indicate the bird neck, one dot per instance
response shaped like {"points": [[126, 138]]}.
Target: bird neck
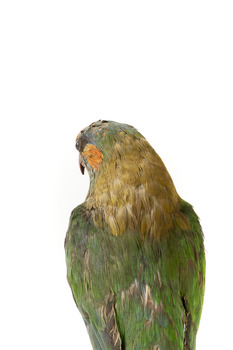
{"points": [[133, 191]]}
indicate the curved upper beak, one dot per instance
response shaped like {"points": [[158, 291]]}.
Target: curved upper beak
{"points": [[81, 164]]}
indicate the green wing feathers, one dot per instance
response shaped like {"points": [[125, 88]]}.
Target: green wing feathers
{"points": [[135, 293]]}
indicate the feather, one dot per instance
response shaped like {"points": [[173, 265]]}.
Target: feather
{"points": [[134, 249]]}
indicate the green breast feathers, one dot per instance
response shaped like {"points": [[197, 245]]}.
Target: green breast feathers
{"points": [[134, 249]]}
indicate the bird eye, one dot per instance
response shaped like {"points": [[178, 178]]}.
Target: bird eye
{"points": [[76, 145]]}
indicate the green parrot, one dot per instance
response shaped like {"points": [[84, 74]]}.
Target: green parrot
{"points": [[134, 249]]}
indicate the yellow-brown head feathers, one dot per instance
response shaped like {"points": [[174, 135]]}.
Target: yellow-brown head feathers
{"points": [[132, 189]]}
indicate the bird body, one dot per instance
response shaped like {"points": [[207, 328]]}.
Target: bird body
{"points": [[134, 249]]}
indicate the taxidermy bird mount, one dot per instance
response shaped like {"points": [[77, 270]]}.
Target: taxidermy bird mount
{"points": [[134, 249]]}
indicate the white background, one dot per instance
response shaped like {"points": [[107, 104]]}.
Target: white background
{"points": [[164, 67]]}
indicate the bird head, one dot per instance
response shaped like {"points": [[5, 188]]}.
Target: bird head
{"points": [[130, 186], [96, 143]]}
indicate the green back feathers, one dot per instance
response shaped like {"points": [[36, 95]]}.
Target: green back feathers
{"points": [[157, 286]]}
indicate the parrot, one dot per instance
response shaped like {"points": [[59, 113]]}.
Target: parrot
{"points": [[134, 248]]}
